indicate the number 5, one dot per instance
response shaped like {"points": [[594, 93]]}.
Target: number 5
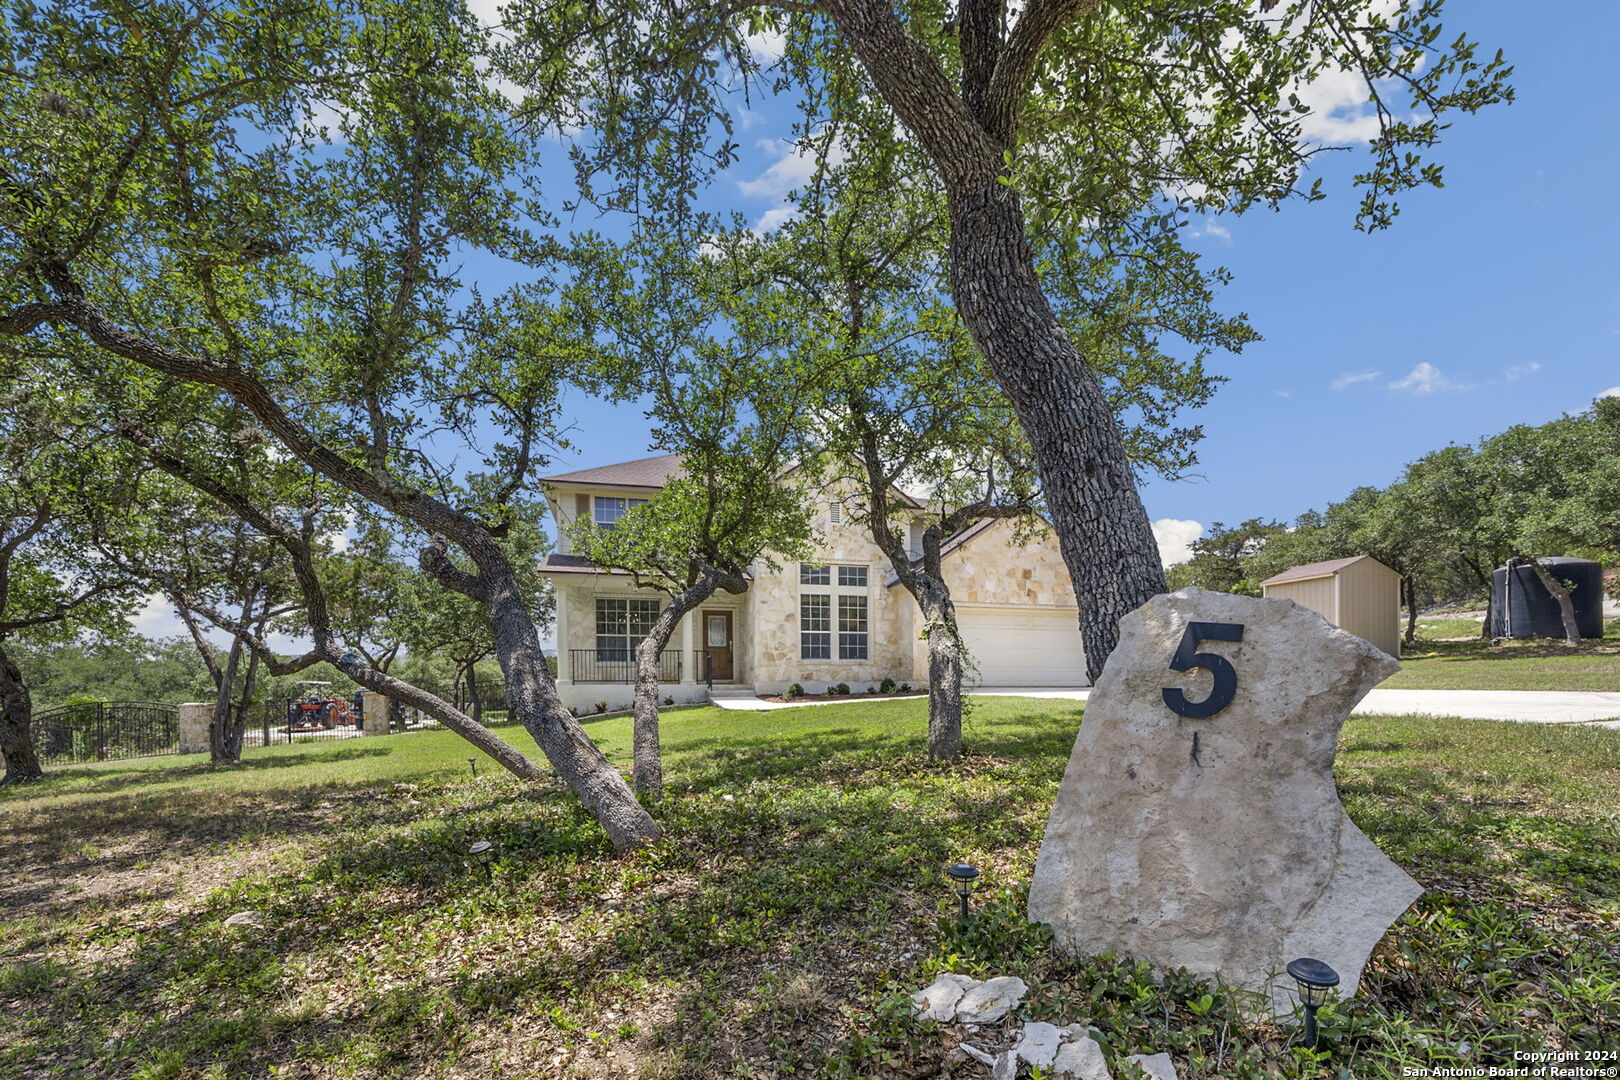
{"points": [[1187, 658]]}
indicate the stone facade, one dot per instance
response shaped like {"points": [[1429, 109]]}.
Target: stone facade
{"points": [[195, 716], [991, 568], [374, 710]]}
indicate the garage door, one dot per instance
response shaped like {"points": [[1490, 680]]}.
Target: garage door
{"points": [[1020, 647]]}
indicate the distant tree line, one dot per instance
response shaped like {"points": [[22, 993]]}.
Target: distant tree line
{"points": [[1454, 515]]}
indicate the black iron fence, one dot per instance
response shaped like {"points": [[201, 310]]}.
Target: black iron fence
{"points": [[106, 731], [619, 665]]}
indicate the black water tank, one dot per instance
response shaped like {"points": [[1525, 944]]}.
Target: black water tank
{"points": [[1521, 607]]}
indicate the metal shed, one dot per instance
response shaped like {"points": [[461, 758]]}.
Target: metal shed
{"points": [[1358, 594]]}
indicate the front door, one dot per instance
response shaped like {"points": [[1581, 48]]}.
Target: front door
{"points": [[717, 646]]}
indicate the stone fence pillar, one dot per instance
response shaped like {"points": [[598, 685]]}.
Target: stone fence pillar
{"points": [[195, 716], [374, 708]]}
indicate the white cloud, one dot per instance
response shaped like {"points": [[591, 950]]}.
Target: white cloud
{"points": [[1613, 391], [1348, 380], [1520, 371], [1424, 379], [1175, 537], [1283, 393], [768, 46], [793, 166], [1220, 232], [157, 619], [775, 218]]}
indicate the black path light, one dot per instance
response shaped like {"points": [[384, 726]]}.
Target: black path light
{"points": [[483, 852], [472, 763], [1315, 979], [962, 876]]}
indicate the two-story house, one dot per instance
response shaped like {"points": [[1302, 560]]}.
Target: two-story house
{"points": [[840, 617]]}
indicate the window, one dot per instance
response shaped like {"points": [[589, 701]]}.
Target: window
{"points": [[852, 627], [621, 625], [815, 626], [816, 609], [610, 508]]}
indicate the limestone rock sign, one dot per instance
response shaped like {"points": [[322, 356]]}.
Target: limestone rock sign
{"points": [[1197, 825]]}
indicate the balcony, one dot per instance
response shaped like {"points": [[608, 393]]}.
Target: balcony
{"points": [[618, 665]]}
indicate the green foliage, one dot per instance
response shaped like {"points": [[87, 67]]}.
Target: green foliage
{"points": [[803, 902]]}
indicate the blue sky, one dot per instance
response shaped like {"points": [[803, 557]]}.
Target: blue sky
{"points": [[1493, 301]]}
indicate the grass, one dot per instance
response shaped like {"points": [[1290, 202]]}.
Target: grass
{"points": [[1472, 663], [794, 901]]}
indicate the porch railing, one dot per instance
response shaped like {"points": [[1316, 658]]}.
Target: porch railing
{"points": [[619, 665]]}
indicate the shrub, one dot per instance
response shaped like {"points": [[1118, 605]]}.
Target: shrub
{"points": [[794, 691], [669, 699], [601, 706], [841, 688], [871, 689], [888, 686], [905, 688]]}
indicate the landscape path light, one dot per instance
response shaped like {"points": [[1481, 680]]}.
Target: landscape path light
{"points": [[962, 876], [472, 763], [483, 852], [1315, 979]]}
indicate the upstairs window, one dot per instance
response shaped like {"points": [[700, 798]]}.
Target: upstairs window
{"points": [[852, 577], [608, 509], [814, 575]]}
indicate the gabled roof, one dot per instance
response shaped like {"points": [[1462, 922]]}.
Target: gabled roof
{"points": [[652, 472], [949, 545], [1316, 570]]}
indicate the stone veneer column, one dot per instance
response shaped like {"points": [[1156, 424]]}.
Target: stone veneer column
{"points": [[375, 712], [194, 720], [689, 664]]}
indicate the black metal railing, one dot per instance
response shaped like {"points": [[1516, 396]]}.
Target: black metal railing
{"points": [[105, 731], [619, 665]]}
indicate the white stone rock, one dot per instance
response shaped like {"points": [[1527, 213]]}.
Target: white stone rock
{"points": [[1038, 1044], [1082, 1059], [1074, 1032], [938, 1002], [976, 1054], [1006, 1067], [1219, 844], [991, 1000], [245, 920], [1158, 1066]]}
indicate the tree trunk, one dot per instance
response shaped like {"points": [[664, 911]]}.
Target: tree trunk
{"points": [[16, 720], [473, 699], [1566, 606], [532, 696], [1102, 527], [647, 769], [1410, 589], [234, 735], [945, 656]]}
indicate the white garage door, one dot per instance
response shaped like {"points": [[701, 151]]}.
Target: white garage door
{"points": [[1021, 647]]}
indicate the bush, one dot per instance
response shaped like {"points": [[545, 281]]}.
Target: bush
{"points": [[601, 706], [871, 689], [888, 686], [669, 699], [842, 689], [794, 691], [905, 688]]}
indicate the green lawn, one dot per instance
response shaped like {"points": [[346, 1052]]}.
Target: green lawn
{"points": [[773, 932], [1476, 664]]}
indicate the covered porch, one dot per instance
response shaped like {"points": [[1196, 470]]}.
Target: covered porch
{"points": [[602, 618]]}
